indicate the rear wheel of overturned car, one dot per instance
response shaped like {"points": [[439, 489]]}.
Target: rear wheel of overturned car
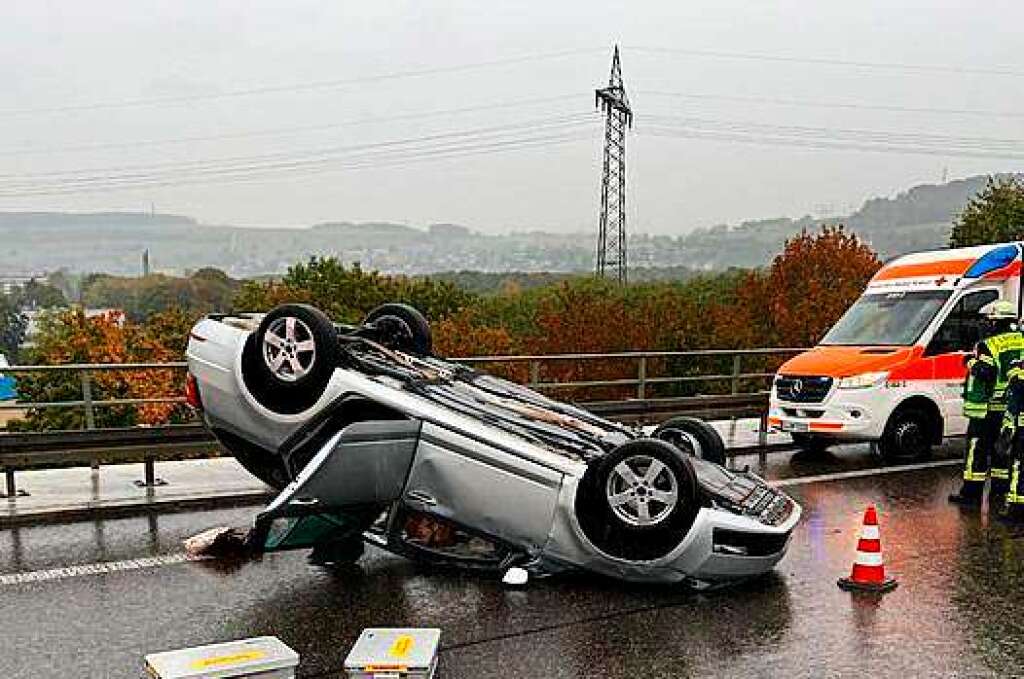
{"points": [[639, 501], [693, 437], [402, 327], [288, 361]]}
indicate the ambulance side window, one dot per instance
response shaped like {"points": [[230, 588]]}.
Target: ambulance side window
{"points": [[962, 328]]}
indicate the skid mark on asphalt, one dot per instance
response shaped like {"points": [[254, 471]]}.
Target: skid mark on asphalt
{"points": [[94, 569], [860, 473]]}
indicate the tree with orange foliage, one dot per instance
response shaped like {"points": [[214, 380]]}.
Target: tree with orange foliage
{"points": [[811, 284], [72, 337]]}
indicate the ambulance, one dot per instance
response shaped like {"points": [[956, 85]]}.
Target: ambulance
{"points": [[891, 370]]}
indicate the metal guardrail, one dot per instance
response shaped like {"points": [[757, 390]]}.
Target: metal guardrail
{"points": [[166, 442], [643, 358]]}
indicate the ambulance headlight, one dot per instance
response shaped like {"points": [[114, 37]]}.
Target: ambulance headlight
{"points": [[863, 381]]}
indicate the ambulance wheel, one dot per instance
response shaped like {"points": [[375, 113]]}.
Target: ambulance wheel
{"points": [[693, 437], [288, 361], [402, 327], [639, 501], [907, 436], [810, 444]]}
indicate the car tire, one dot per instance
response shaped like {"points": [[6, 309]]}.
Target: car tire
{"points": [[288, 361], [694, 437], [338, 554], [403, 328], [907, 436], [621, 516], [810, 444]]}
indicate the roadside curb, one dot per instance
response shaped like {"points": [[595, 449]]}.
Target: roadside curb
{"points": [[132, 507]]}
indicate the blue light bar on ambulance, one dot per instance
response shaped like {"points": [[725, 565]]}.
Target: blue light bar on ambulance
{"points": [[993, 261]]}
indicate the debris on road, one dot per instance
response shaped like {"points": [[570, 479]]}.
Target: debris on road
{"points": [[516, 577], [263, 657], [219, 542], [398, 653]]}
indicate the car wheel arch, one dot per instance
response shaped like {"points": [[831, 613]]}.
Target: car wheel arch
{"points": [[927, 405]]}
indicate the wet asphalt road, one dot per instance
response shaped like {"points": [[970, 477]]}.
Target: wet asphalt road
{"points": [[957, 610]]}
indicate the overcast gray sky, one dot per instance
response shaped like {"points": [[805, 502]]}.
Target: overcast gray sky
{"points": [[236, 111]]}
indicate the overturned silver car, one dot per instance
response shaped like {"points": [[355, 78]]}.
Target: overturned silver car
{"points": [[371, 439]]}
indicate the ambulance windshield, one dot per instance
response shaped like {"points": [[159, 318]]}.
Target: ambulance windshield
{"points": [[890, 318]]}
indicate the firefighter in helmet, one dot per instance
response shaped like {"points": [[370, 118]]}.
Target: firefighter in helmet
{"points": [[1011, 439], [988, 371]]}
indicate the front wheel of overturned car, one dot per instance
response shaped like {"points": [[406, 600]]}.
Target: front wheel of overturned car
{"points": [[288, 361], [693, 437], [402, 327], [639, 501]]}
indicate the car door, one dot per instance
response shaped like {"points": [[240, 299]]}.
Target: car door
{"points": [[356, 473], [952, 342], [483, 487]]}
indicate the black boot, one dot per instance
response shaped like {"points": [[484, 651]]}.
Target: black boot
{"points": [[1010, 513]]}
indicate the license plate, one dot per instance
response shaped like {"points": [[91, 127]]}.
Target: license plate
{"points": [[794, 426]]}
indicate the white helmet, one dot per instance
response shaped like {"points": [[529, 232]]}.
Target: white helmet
{"points": [[999, 310]]}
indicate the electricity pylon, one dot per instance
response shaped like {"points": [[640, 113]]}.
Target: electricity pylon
{"points": [[611, 247]]}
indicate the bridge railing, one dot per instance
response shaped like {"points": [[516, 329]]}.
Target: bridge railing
{"points": [[635, 399], [639, 386]]}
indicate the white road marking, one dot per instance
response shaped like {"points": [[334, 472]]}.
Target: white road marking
{"points": [[94, 569], [860, 473], [180, 558]]}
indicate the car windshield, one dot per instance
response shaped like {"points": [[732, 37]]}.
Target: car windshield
{"points": [[891, 318]]}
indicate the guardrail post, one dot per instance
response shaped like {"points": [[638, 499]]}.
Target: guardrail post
{"points": [[90, 412], [641, 378], [149, 474], [534, 373], [12, 488], [736, 359], [762, 439]]}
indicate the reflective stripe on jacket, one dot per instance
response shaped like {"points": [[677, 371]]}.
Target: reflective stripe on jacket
{"points": [[1004, 348], [979, 385]]}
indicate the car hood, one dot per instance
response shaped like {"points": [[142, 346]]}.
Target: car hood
{"points": [[837, 361]]}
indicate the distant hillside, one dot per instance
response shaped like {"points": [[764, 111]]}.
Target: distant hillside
{"points": [[917, 219], [113, 242]]}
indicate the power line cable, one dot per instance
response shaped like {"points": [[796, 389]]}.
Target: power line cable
{"points": [[297, 87], [825, 61], [812, 103], [283, 131], [843, 133], [380, 158], [825, 144], [194, 165], [509, 145]]}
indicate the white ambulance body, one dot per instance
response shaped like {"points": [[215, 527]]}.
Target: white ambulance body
{"points": [[892, 369]]}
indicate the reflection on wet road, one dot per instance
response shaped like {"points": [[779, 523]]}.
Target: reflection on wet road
{"points": [[956, 610]]}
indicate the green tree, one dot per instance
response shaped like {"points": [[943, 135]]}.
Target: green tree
{"points": [[38, 295], [13, 324], [348, 293], [995, 215], [205, 291]]}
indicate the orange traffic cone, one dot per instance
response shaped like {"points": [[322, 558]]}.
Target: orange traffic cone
{"points": [[868, 573]]}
